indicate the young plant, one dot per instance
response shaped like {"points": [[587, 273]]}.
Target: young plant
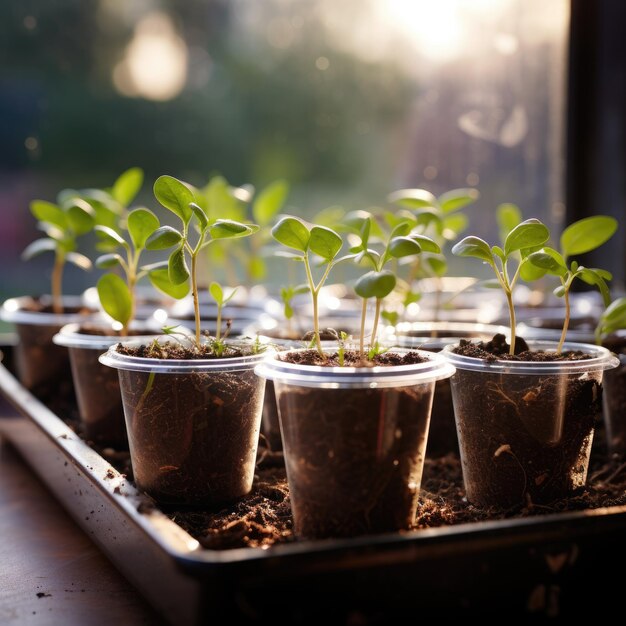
{"points": [[320, 241], [578, 238], [378, 283], [613, 319], [242, 204], [217, 293], [117, 294], [63, 223], [175, 275], [111, 204], [439, 217], [287, 294], [526, 238]]}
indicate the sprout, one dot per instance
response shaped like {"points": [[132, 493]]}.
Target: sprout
{"points": [[580, 237], [175, 277], [320, 241], [525, 238], [63, 224]]}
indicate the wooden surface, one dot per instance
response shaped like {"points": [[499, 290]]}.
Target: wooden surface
{"points": [[42, 551]]}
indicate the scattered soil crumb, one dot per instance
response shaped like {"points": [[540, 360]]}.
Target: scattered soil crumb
{"points": [[41, 594]]}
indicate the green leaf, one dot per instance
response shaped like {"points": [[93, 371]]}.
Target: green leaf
{"points": [[127, 186], [177, 267], [159, 278], [79, 260], [269, 202], [293, 233], [525, 235], [175, 196], [473, 247], [141, 224], [217, 293], [107, 261], [221, 202], [559, 291], [530, 273], [115, 298], [403, 246], [549, 260], [587, 234], [437, 264], [201, 216], [508, 217], [163, 238], [391, 317], [47, 212], [355, 220], [37, 247], [453, 225], [597, 278], [426, 243], [80, 216], [499, 252], [429, 217], [325, 242], [456, 199], [229, 229], [109, 236], [413, 198], [614, 317], [401, 229], [375, 284]]}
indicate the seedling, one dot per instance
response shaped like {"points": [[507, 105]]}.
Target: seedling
{"points": [[175, 276], [526, 238], [287, 294], [117, 294], [63, 223], [380, 282], [580, 237], [323, 242], [242, 204], [217, 292], [439, 217], [613, 319]]}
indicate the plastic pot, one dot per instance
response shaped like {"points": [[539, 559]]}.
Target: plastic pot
{"points": [[41, 366], [97, 387], [525, 428], [614, 397], [193, 425], [433, 337], [354, 442]]}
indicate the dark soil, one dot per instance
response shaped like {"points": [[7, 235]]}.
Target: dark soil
{"points": [[193, 436], [179, 352], [352, 358], [263, 517], [498, 349], [523, 438]]}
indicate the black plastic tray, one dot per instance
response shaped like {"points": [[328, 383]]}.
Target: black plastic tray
{"points": [[550, 565]]}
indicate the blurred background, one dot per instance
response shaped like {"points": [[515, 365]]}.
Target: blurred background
{"points": [[347, 101]]}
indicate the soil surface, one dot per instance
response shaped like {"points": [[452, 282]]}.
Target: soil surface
{"points": [[498, 349], [181, 352], [352, 358]]}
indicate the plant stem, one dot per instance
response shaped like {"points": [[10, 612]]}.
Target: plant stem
{"points": [[509, 299], [57, 279], [314, 293], [362, 336], [376, 318], [218, 332], [565, 323], [194, 293]]}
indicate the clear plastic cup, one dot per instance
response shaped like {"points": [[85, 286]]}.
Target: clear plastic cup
{"points": [[97, 387], [193, 425], [41, 366], [354, 442], [525, 428]]}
